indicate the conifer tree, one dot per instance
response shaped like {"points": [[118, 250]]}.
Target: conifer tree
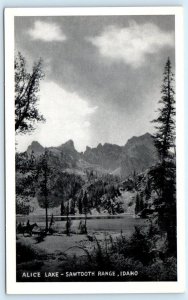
{"points": [[44, 182], [85, 208], [137, 206], [164, 173], [164, 138], [80, 205], [62, 208]]}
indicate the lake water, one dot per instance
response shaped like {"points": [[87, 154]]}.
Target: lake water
{"points": [[118, 223]]}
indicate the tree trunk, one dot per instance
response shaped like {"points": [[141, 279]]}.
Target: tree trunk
{"points": [[46, 210], [86, 223], [68, 221]]}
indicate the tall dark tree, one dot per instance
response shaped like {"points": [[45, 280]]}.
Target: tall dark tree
{"points": [[85, 208], [80, 205], [44, 183], [62, 208], [25, 181], [164, 172], [27, 86], [164, 137], [68, 219], [139, 203]]}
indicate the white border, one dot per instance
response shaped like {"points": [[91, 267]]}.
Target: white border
{"points": [[13, 287]]}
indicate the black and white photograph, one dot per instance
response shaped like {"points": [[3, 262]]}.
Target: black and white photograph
{"points": [[95, 148]]}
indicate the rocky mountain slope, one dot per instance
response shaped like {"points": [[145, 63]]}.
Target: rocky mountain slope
{"points": [[136, 155]]}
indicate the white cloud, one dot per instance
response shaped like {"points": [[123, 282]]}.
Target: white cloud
{"points": [[46, 32], [132, 44], [67, 117]]}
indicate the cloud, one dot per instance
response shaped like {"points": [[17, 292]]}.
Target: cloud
{"points": [[67, 117], [47, 32], [132, 44]]}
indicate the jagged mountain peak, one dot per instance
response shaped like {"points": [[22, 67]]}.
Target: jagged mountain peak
{"points": [[99, 146], [69, 144], [36, 143], [35, 147], [88, 148], [142, 137]]}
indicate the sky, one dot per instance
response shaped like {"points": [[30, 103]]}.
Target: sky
{"points": [[103, 75]]}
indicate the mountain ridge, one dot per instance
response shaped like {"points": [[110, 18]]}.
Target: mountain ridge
{"points": [[137, 154]]}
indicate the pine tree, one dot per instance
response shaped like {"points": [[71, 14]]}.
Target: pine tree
{"points": [[139, 203], [164, 137], [80, 205], [164, 173], [137, 206], [72, 207], [62, 208], [85, 208], [44, 182], [68, 220]]}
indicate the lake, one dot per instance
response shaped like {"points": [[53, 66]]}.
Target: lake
{"points": [[117, 223]]}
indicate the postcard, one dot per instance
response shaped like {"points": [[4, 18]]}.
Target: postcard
{"points": [[94, 150]]}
